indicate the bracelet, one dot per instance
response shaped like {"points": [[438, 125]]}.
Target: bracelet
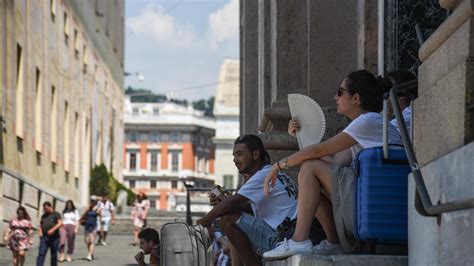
{"points": [[285, 163], [278, 166]]}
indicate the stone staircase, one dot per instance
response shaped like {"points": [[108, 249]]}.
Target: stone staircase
{"points": [[341, 260]]}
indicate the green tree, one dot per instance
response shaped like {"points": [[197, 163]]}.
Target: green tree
{"points": [[99, 182], [104, 183]]}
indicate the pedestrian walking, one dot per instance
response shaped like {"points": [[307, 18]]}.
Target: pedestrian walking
{"points": [[19, 236], [139, 215], [89, 220], [49, 234], [68, 231], [108, 215]]}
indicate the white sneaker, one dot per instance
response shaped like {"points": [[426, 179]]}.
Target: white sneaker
{"points": [[89, 257], [287, 248], [104, 243], [326, 248]]}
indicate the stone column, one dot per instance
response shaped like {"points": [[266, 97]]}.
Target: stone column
{"points": [[264, 56], [443, 128], [249, 66]]}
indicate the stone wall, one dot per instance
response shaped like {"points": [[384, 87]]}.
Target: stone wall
{"points": [[443, 134]]}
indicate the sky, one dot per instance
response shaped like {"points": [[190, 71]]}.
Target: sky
{"points": [[178, 45]]}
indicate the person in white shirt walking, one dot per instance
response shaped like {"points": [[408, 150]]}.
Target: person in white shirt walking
{"points": [[69, 230], [108, 216]]}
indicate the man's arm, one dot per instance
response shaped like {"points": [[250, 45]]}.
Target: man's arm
{"points": [[59, 223], [235, 203]]}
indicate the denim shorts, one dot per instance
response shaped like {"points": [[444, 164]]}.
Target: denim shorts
{"points": [[261, 235]]}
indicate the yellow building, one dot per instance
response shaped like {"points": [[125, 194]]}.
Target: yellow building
{"points": [[61, 80]]}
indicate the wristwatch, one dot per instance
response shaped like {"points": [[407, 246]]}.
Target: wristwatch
{"points": [[284, 164]]}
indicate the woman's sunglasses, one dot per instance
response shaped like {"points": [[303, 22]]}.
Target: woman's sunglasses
{"points": [[341, 91]]}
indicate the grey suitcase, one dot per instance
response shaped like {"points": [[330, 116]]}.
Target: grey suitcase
{"points": [[185, 245]]}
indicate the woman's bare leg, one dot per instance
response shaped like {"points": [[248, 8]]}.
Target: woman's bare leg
{"points": [[326, 219], [314, 176]]}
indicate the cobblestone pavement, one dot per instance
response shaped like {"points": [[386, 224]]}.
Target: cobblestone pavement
{"points": [[118, 251]]}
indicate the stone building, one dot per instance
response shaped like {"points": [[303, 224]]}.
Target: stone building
{"points": [[309, 46], [61, 80], [226, 112], [166, 144]]}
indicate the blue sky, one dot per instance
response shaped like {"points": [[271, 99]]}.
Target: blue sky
{"points": [[179, 44]]}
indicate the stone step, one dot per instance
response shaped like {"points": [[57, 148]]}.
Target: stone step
{"points": [[340, 260]]}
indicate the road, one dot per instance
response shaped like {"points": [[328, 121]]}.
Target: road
{"points": [[119, 251]]}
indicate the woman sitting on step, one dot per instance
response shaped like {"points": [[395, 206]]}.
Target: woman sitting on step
{"points": [[326, 184]]}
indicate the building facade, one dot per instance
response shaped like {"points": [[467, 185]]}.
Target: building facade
{"points": [[166, 145], [61, 80], [309, 46], [226, 112]]}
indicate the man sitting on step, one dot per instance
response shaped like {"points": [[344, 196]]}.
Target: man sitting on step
{"points": [[252, 235]]}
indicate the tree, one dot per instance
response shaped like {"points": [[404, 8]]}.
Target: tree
{"points": [[99, 182]]}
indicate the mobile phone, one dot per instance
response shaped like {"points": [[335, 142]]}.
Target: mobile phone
{"points": [[216, 192]]}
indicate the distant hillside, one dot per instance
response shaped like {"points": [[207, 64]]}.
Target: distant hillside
{"points": [[147, 96]]}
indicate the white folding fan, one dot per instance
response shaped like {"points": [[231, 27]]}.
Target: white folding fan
{"points": [[311, 118]]}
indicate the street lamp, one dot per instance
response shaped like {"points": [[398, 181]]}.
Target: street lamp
{"points": [[138, 74], [189, 219]]}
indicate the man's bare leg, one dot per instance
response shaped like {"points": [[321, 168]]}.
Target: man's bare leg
{"points": [[239, 240], [236, 259]]}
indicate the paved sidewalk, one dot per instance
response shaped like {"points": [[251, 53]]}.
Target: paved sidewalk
{"points": [[119, 251]]}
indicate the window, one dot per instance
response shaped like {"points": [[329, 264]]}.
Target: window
{"points": [[84, 59], [54, 123], [135, 111], [53, 9], [66, 176], [153, 184], [185, 137], [156, 111], [76, 182], [77, 145], [38, 112], [132, 137], [66, 29], [174, 161], [131, 183], [174, 137], [152, 204], [66, 137], [229, 181], [154, 161], [174, 184], [143, 137], [19, 99], [154, 137], [133, 161], [76, 44]]}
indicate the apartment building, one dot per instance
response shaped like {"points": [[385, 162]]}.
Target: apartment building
{"points": [[166, 145], [61, 80]]}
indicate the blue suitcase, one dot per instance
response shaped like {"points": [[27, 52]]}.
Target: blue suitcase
{"points": [[381, 207]]}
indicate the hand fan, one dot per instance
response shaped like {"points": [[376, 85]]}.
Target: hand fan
{"points": [[311, 118]]}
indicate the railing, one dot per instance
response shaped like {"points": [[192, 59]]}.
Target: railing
{"points": [[423, 203], [23, 180]]}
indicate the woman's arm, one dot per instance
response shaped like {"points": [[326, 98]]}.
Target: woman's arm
{"points": [[340, 142]]}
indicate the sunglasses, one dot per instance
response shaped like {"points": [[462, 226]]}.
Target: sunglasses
{"points": [[341, 91]]}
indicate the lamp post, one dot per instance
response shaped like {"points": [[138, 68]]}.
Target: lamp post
{"points": [[138, 74], [189, 219]]}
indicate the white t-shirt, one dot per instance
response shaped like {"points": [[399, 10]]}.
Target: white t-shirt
{"points": [[406, 116], [71, 217], [367, 130], [280, 204], [106, 209]]}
